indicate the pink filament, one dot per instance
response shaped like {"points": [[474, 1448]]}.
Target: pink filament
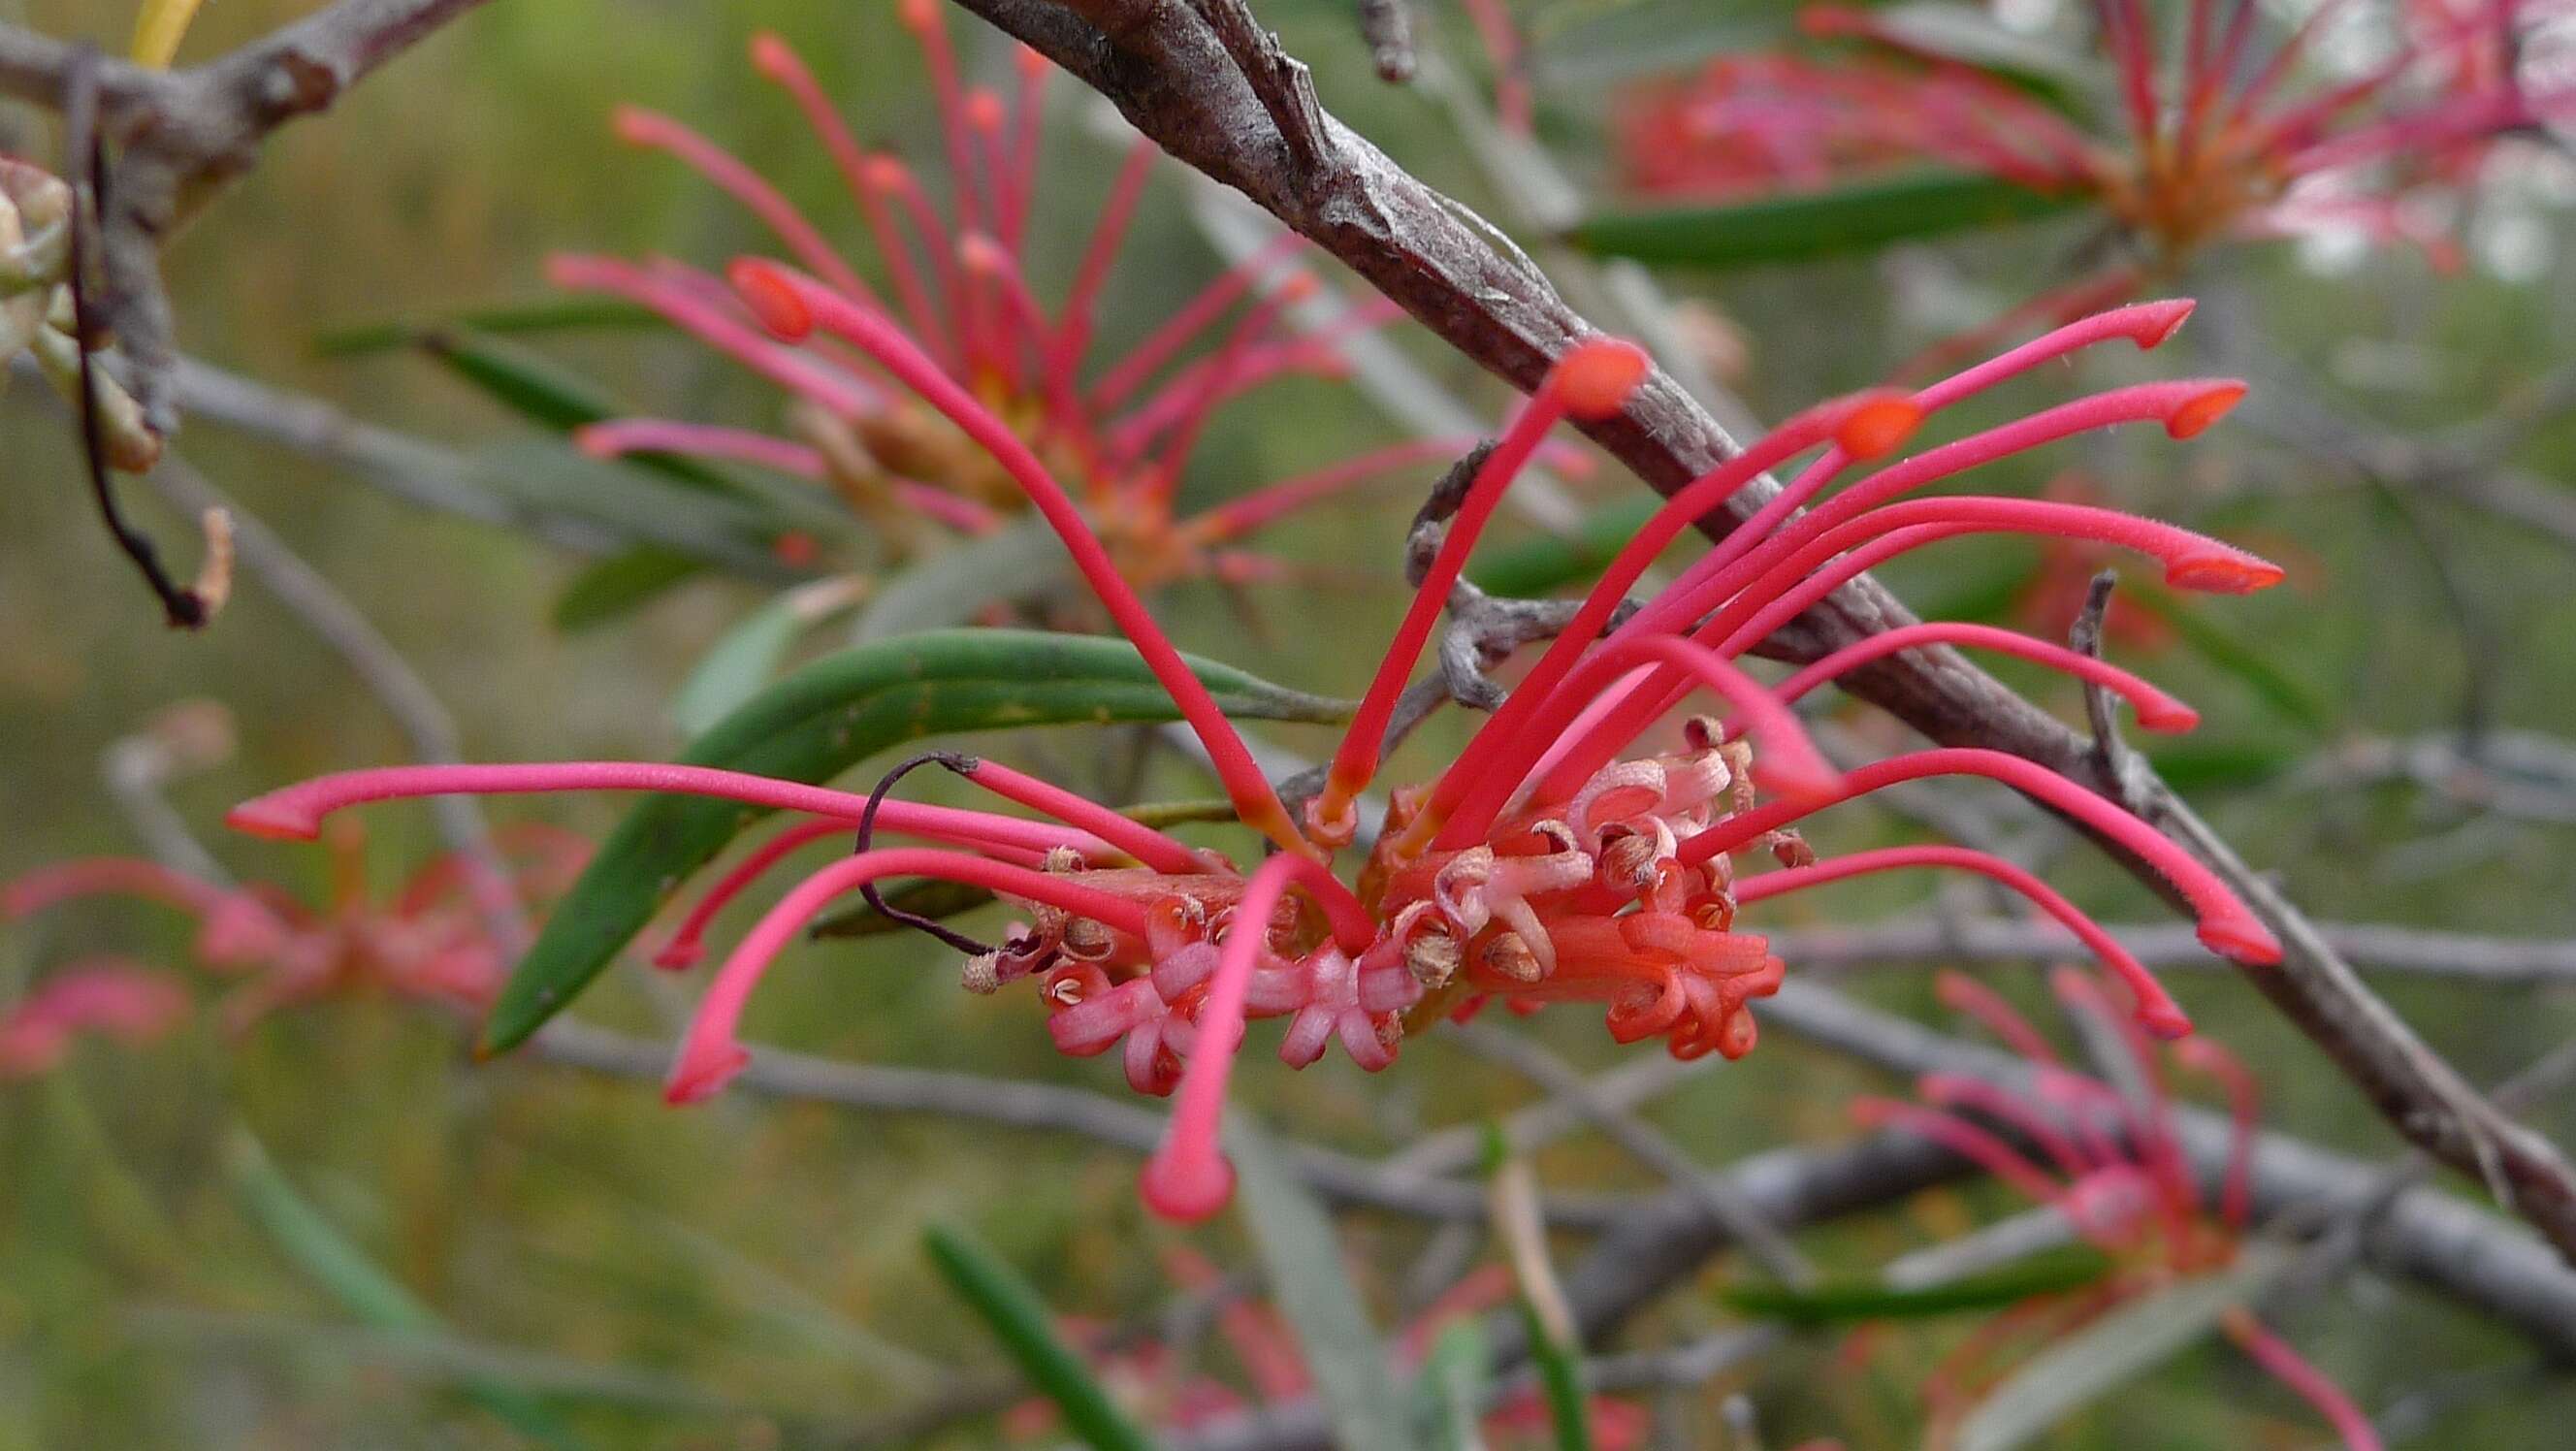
{"points": [[2244, 1106], [2226, 926], [2294, 1370], [2157, 711], [2156, 1008], [1963, 994], [1191, 319], [295, 813], [668, 293], [709, 440], [709, 1055], [688, 943], [1144, 843], [640, 127], [1965, 1139], [1965, 1091], [108, 876], [1081, 301], [791, 303]]}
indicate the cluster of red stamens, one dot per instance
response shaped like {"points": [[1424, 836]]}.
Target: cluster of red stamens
{"points": [[1123, 433], [1551, 860]]}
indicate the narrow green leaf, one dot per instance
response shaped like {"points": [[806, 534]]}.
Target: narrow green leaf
{"points": [[1537, 566], [1456, 1382], [568, 314], [1841, 1302], [818, 722], [548, 394], [1560, 1375], [376, 1298], [611, 588], [2215, 765], [1803, 226], [2076, 1370], [1011, 1309], [1312, 1287]]}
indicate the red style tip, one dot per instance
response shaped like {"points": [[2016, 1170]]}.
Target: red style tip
{"points": [[595, 441], [981, 254], [920, 15], [2239, 938], [882, 173], [771, 57], [772, 298], [984, 111], [2203, 409], [1031, 61], [701, 1074], [638, 127], [1186, 1189], [275, 816], [2226, 572], [1877, 424], [2167, 717], [2157, 321], [1595, 376], [679, 956], [2164, 1021]]}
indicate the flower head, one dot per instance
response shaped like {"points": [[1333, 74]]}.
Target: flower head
{"points": [[1553, 860], [2109, 1160], [429, 940], [2207, 135], [1121, 434]]}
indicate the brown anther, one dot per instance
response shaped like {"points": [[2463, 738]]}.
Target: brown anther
{"points": [[1717, 914], [1790, 849], [982, 975], [1628, 859], [1062, 860], [1086, 940], [1390, 1031], [1432, 956], [1509, 957], [1703, 733]]}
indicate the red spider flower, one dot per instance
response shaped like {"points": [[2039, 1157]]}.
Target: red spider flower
{"points": [[2206, 137], [109, 997], [1152, 1383], [1549, 861], [1122, 433], [429, 941], [2109, 1161]]}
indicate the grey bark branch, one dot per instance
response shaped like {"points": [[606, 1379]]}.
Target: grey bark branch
{"points": [[180, 136], [1174, 79]]}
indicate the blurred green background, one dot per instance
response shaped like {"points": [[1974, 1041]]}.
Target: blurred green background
{"points": [[748, 1273]]}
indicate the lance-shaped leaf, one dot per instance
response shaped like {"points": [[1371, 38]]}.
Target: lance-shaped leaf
{"points": [[1842, 1302], [610, 588], [818, 722], [741, 660], [1802, 226], [1011, 1309], [2078, 1369], [570, 314]]}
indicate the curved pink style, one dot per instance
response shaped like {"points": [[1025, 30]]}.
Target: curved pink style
{"points": [[2157, 710], [709, 1055]]}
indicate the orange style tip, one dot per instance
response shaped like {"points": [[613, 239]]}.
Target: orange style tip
{"points": [[2203, 409], [2240, 938], [1596, 376], [1186, 1191], [772, 298], [678, 957], [771, 56], [2164, 1022], [919, 15], [701, 1075], [984, 110], [2158, 321], [594, 441], [1877, 424], [1871, 1113], [1031, 61], [269, 817], [882, 173], [1299, 286], [2225, 573]]}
